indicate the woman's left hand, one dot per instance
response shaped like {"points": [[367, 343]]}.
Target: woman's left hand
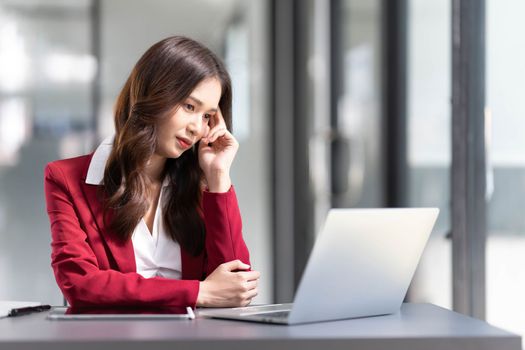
{"points": [[216, 153]]}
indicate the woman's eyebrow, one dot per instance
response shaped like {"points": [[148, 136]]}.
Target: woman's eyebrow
{"points": [[200, 103]]}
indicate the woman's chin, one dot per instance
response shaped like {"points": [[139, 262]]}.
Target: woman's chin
{"points": [[176, 153]]}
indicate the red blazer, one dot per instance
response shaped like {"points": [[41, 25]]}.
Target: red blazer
{"points": [[93, 267]]}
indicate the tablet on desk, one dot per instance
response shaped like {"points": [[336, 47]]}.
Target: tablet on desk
{"points": [[121, 313]]}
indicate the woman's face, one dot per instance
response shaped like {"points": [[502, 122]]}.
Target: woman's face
{"points": [[190, 121]]}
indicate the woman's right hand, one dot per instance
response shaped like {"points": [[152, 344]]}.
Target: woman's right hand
{"points": [[226, 286]]}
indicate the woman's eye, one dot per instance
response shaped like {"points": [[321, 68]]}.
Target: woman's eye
{"points": [[189, 107], [207, 117]]}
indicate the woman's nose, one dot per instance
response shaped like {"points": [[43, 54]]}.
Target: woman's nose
{"points": [[196, 125]]}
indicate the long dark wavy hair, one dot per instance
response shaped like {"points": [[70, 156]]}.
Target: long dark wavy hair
{"points": [[160, 81]]}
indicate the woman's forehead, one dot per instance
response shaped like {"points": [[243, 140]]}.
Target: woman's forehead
{"points": [[207, 93]]}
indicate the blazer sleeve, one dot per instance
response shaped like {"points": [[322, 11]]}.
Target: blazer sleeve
{"points": [[75, 264], [224, 240]]}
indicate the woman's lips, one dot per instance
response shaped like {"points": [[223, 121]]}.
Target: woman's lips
{"points": [[183, 143]]}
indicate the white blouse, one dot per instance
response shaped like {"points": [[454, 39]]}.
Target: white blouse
{"points": [[156, 254]]}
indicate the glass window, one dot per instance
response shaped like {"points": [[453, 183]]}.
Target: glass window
{"points": [[359, 108], [46, 76], [429, 141], [47, 72], [505, 73]]}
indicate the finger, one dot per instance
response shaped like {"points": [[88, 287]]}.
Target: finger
{"points": [[227, 139], [214, 135], [235, 265], [249, 275], [213, 131], [251, 285], [251, 294], [206, 131], [203, 144], [219, 118], [217, 121]]}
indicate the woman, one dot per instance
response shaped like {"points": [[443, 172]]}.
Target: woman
{"points": [[151, 217]]}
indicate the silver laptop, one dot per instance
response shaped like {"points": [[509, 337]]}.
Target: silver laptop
{"points": [[361, 265]]}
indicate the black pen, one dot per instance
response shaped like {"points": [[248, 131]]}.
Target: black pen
{"points": [[27, 310]]}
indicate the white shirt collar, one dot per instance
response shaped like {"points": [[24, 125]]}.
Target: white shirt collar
{"points": [[95, 175]]}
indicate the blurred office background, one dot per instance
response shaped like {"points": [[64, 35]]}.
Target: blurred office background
{"points": [[343, 103]]}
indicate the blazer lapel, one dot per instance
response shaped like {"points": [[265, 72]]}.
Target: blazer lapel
{"points": [[121, 250]]}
